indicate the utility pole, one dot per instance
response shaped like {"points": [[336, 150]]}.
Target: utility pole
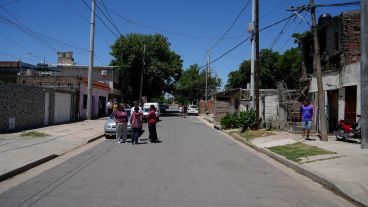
{"points": [[141, 88], [317, 62], [90, 66], [207, 70], [256, 68], [251, 30], [363, 73]]}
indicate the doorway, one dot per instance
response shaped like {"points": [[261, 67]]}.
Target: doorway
{"points": [[333, 109], [350, 104]]}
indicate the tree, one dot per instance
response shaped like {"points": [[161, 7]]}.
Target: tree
{"points": [[162, 67], [240, 77], [269, 70], [290, 65], [274, 67], [191, 86]]}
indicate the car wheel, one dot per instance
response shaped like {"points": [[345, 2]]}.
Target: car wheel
{"points": [[107, 136]]}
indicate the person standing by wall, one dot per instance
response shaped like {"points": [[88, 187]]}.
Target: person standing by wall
{"points": [[120, 117], [307, 114], [109, 106], [136, 124], [151, 120]]}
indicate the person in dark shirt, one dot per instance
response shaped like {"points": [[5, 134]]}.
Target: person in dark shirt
{"points": [[151, 120]]}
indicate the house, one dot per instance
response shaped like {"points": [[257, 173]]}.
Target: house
{"points": [[272, 109], [339, 40]]}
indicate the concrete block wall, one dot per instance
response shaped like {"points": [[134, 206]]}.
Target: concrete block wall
{"points": [[26, 104]]}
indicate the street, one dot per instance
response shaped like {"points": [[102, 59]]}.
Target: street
{"points": [[194, 165]]}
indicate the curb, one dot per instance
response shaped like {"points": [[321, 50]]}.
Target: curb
{"points": [[300, 169], [26, 167], [95, 138], [40, 161]]}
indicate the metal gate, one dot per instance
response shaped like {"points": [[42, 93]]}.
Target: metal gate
{"points": [[62, 107]]}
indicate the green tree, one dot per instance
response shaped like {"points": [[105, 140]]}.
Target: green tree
{"points": [[269, 72], [290, 65], [162, 67], [239, 78], [274, 67], [191, 86]]}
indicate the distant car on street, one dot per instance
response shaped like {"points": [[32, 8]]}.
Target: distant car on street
{"points": [[110, 126], [193, 110]]}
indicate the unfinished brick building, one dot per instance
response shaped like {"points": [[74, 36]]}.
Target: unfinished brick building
{"points": [[339, 40]]}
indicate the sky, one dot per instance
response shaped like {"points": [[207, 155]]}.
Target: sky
{"points": [[33, 31]]}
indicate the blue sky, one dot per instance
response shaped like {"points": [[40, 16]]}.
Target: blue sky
{"points": [[33, 30]]}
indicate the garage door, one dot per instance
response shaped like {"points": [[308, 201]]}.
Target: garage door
{"points": [[62, 107]]}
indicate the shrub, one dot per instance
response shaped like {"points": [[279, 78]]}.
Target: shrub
{"points": [[229, 121], [247, 120]]}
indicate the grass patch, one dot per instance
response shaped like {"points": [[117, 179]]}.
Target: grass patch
{"points": [[34, 134], [299, 150], [252, 134]]}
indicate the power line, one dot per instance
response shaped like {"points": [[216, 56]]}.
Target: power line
{"points": [[231, 26], [279, 36], [103, 22], [242, 42], [130, 21], [110, 20]]}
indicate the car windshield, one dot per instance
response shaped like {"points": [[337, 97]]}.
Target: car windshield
{"points": [[146, 110], [193, 106]]}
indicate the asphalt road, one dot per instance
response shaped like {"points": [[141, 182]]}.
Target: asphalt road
{"points": [[194, 165]]}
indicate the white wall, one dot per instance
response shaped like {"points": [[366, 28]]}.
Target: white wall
{"points": [[348, 76]]}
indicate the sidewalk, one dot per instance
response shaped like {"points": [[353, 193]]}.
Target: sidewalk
{"points": [[18, 154], [344, 172]]}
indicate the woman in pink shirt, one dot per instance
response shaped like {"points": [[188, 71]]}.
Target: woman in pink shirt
{"points": [[136, 124], [121, 118]]}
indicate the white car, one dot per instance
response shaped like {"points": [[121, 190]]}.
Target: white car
{"points": [[193, 110]]}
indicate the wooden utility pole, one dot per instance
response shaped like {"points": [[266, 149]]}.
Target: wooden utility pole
{"points": [[90, 66], [317, 62], [256, 65], [363, 73], [142, 72]]}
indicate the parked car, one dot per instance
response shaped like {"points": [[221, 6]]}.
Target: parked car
{"points": [[193, 110], [110, 126]]}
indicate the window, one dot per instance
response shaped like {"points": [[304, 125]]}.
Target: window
{"points": [[84, 101]]}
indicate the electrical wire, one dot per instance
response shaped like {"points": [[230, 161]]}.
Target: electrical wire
{"points": [[279, 36], [103, 22], [231, 26], [130, 21], [246, 39], [110, 20]]}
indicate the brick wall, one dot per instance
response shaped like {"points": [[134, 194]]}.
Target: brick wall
{"points": [[350, 37]]}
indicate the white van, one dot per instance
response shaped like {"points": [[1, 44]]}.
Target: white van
{"points": [[146, 107]]}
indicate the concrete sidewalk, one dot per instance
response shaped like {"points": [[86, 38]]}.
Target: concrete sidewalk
{"points": [[344, 172], [20, 153]]}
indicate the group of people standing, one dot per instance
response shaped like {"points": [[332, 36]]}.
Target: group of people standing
{"points": [[136, 118]]}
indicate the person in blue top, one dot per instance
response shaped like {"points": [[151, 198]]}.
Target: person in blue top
{"points": [[307, 114]]}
